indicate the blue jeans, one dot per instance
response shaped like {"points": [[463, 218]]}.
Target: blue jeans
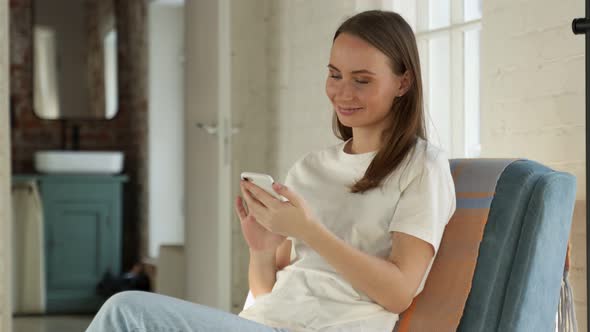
{"points": [[135, 311]]}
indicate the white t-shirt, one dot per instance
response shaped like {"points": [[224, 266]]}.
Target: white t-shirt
{"points": [[418, 198]]}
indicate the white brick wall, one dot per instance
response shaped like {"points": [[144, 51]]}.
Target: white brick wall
{"points": [[5, 230], [532, 83], [250, 91], [533, 99], [299, 56], [280, 50]]}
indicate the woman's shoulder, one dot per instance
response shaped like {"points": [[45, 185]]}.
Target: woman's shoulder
{"points": [[425, 156], [431, 155]]}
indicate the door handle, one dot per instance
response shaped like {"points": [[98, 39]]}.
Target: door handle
{"points": [[210, 129], [214, 128]]}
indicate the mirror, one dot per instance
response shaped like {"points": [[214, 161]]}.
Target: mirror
{"points": [[75, 59]]}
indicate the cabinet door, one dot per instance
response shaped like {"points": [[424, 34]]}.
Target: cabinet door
{"points": [[78, 235]]}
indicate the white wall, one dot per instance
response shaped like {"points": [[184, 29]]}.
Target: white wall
{"points": [[250, 94], [533, 83], [299, 56], [5, 172], [533, 99], [166, 125], [280, 53]]}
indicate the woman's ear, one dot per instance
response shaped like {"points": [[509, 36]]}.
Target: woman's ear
{"points": [[405, 83]]}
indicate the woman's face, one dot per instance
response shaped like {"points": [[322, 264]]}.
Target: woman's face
{"points": [[360, 84]]}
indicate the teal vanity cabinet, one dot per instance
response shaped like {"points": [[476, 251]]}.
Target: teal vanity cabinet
{"points": [[83, 237]]}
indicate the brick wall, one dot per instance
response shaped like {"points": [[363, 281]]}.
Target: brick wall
{"points": [[533, 99], [126, 132]]}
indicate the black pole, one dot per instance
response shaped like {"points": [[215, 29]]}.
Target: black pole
{"points": [[582, 26]]}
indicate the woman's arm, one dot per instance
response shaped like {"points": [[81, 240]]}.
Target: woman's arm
{"points": [[263, 267], [261, 272], [284, 255], [390, 282]]}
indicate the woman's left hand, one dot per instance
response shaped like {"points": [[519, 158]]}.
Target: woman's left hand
{"points": [[290, 218]]}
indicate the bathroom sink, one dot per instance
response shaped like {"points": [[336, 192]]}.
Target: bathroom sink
{"points": [[95, 162]]}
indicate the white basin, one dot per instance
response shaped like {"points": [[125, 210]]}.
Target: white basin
{"points": [[97, 162]]}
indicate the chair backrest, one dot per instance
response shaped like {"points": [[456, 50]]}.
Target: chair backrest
{"points": [[488, 274], [440, 305], [521, 258]]}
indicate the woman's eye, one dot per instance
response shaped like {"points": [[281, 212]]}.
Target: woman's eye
{"points": [[337, 77]]}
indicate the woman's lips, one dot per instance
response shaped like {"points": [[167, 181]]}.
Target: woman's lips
{"points": [[348, 110]]}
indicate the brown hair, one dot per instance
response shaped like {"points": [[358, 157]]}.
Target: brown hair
{"points": [[391, 34]]}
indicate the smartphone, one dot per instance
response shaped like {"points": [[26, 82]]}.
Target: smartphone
{"points": [[264, 181]]}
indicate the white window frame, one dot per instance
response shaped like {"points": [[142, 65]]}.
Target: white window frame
{"points": [[459, 145]]}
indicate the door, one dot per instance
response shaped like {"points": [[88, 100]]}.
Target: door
{"points": [[208, 201], [79, 243]]}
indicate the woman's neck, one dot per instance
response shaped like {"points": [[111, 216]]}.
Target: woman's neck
{"points": [[364, 141]]}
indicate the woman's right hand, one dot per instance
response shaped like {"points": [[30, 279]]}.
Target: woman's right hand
{"points": [[259, 239]]}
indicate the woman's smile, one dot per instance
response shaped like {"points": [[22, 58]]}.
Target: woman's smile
{"points": [[348, 110]]}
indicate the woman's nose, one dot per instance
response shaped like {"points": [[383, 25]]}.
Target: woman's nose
{"points": [[345, 91]]}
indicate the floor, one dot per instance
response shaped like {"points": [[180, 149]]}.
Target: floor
{"points": [[50, 323]]}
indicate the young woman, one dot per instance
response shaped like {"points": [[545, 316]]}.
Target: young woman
{"points": [[365, 217]]}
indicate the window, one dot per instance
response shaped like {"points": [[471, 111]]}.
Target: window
{"points": [[448, 36]]}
